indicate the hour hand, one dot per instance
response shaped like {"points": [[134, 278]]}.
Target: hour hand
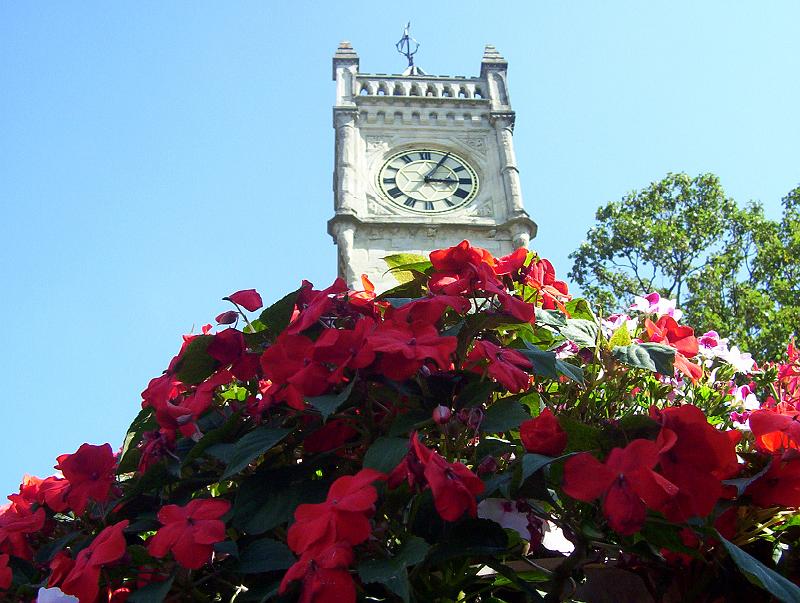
{"points": [[445, 180]]}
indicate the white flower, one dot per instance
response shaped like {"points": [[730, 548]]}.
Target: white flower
{"points": [[554, 539], [505, 512], [54, 595]]}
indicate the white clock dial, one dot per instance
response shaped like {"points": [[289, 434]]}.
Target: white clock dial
{"points": [[428, 180]]}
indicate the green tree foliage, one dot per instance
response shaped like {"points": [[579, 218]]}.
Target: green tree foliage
{"points": [[730, 269]]}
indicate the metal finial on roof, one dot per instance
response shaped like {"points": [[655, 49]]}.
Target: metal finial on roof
{"points": [[408, 47]]}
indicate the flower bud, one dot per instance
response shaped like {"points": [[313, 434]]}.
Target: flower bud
{"points": [[441, 414]]}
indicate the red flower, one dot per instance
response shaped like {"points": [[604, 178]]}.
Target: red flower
{"points": [[779, 486], [16, 520], [190, 531], [183, 414], [5, 573], [107, 547], [453, 485], [227, 346], [541, 276], [504, 365], [343, 517], [696, 457], [405, 347], [289, 363], [345, 348], [626, 482], [543, 435], [324, 575], [512, 263], [90, 472], [311, 305], [776, 430], [330, 436], [462, 269], [429, 309], [249, 299], [668, 332]]}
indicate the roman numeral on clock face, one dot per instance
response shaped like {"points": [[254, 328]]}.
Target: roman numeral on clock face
{"points": [[429, 205], [410, 202], [425, 155], [389, 181], [461, 193], [406, 158], [449, 203], [394, 193]]}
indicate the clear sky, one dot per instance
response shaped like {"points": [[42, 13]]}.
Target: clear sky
{"points": [[157, 156]]}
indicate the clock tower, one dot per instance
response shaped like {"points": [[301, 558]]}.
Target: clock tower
{"points": [[422, 162]]}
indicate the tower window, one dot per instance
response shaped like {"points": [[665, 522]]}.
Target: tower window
{"points": [[398, 90]]}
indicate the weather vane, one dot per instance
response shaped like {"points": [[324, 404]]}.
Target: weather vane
{"points": [[404, 46]]}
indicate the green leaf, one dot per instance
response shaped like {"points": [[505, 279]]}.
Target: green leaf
{"points": [[129, 456], [408, 421], [582, 331], [504, 415], [386, 453], [551, 318], [620, 337], [213, 437], [531, 463], [581, 437], [392, 572], [251, 446], [579, 308], [155, 592], [276, 318], [265, 555], [547, 365], [329, 404], [227, 547], [470, 537], [762, 576], [404, 266], [649, 356], [195, 365]]}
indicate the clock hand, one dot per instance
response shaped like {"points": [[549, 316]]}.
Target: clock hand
{"points": [[446, 180], [436, 167]]}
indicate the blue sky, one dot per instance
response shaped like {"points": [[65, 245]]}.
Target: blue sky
{"points": [[155, 157]]}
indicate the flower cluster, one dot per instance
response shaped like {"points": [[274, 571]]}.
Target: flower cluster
{"points": [[430, 443]]}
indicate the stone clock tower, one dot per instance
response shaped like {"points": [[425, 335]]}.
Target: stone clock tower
{"points": [[422, 162]]}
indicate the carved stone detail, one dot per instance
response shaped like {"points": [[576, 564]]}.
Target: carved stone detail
{"points": [[377, 143], [476, 143]]}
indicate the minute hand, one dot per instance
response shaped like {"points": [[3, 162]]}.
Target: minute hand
{"points": [[447, 180], [436, 167]]}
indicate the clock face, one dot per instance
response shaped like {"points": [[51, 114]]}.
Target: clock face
{"points": [[427, 180]]}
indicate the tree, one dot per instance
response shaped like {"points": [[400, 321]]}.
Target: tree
{"points": [[729, 268]]}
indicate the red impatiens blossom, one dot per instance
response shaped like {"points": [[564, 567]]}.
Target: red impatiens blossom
{"points": [[503, 365], [228, 317], [512, 263], [227, 346], [324, 575], [183, 413], [779, 486], [626, 482], [311, 305], [541, 276], [17, 519], [343, 517], [107, 547], [345, 348], [543, 434], [190, 531], [404, 348], [249, 299], [330, 436], [90, 472], [429, 309], [669, 332], [776, 430], [5, 573], [696, 457], [453, 485], [462, 269], [294, 374]]}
